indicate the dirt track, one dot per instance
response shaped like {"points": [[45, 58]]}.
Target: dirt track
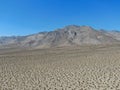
{"points": [[80, 68]]}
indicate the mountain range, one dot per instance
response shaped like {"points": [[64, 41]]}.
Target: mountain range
{"points": [[68, 36]]}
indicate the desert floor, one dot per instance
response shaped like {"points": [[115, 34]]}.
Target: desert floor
{"points": [[68, 68]]}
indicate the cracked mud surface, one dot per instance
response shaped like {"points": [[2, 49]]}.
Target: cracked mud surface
{"points": [[80, 68]]}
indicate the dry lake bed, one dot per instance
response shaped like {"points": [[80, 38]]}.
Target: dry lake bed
{"points": [[68, 68]]}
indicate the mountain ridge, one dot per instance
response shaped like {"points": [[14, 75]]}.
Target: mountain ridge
{"points": [[68, 36]]}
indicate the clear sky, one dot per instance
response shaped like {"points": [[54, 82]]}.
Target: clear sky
{"points": [[22, 17]]}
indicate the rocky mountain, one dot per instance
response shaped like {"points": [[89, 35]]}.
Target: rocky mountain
{"points": [[67, 36]]}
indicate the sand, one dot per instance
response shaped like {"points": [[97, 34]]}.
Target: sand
{"points": [[68, 68]]}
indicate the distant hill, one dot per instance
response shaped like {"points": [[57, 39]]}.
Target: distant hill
{"points": [[68, 36]]}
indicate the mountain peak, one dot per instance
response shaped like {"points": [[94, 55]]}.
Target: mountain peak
{"points": [[71, 27], [69, 35], [77, 26]]}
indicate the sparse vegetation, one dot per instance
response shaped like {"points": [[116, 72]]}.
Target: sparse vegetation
{"points": [[80, 68]]}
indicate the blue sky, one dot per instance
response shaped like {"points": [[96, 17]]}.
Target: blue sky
{"points": [[22, 17]]}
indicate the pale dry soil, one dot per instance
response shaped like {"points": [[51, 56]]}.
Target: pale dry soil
{"points": [[68, 68]]}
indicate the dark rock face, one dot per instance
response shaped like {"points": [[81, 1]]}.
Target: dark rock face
{"points": [[67, 36]]}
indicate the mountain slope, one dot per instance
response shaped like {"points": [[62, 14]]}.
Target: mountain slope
{"points": [[67, 36]]}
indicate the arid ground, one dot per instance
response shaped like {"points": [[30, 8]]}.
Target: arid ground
{"points": [[68, 68]]}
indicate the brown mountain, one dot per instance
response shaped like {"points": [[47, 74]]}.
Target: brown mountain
{"points": [[67, 36]]}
